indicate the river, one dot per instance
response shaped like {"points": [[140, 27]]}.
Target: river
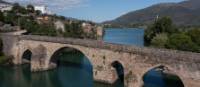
{"points": [[75, 70]]}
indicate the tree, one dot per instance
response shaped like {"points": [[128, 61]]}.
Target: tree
{"points": [[62, 17], [38, 12], [30, 8], [1, 16], [16, 7], [73, 30], [19, 9], [1, 47], [162, 25], [160, 40], [183, 42], [195, 35], [165, 24], [11, 18], [149, 34]]}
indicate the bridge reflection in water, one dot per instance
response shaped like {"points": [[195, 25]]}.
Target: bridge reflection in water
{"points": [[157, 77]]}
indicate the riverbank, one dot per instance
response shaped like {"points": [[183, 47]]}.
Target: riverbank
{"points": [[123, 28], [5, 61], [2, 59]]}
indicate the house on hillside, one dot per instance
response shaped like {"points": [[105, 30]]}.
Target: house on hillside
{"points": [[92, 30], [59, 25], [87, 27], [43, 9], [43, 19], [5, 6]]}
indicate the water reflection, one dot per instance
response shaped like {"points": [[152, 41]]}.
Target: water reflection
{"points": [[158, 78], [14, 77], [80, 74]]}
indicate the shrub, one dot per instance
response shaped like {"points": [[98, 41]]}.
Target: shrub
{"points": [[195, 35], [160, 40], [182, 42]]}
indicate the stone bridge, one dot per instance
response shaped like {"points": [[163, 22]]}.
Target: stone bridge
{"points": [[136, 61]]}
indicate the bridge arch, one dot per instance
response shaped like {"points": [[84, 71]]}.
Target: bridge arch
{"points": [[119, 68], [80, 56], [1, 45], [165, 73], [26, 56]]}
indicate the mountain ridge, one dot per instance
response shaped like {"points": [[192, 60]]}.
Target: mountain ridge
{"points": [[182, 13]]}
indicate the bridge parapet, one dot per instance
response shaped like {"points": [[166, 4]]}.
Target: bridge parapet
{"points": [[179, 55]]}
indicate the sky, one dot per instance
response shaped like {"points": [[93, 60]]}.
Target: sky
{"points": [[93, 10]]}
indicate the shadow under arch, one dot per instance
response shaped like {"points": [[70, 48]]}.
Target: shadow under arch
{"points": [[70, 56], [160, 76], [74, 69], [26, 56], [1, 46], [120, 72], [26, 67]]}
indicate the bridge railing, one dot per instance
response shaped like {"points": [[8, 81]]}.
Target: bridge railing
{"points": [[82, 42]]}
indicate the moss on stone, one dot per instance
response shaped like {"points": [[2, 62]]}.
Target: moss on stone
{"points": [[2, 59], [99, 68]]}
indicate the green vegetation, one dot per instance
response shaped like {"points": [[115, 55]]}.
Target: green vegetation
{"points": [[43, 24], [2, 57], [73, 30], [1, 16], [160, 40], [26, 19], [182, 42], [195, 35], [163, 34]]}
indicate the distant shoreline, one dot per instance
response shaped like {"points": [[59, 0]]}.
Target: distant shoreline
{"points": [[123, 28]]}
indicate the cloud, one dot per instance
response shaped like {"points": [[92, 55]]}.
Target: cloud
{"points": [[54, 4]]}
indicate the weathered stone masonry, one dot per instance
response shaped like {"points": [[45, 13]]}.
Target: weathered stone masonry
{"points": [[136, 61]]}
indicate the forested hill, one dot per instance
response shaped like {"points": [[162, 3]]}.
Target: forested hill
{"points": [[182, 13]]}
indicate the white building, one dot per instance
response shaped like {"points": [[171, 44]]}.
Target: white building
{"points": [[60, 25], [4, 6], [43, 9]]}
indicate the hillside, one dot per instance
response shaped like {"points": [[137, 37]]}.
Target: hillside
{"points": [[183, 13], [4, 2]]}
